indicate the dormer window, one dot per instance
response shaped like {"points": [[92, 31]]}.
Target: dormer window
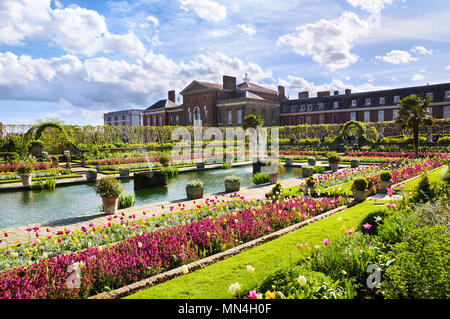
{"points": [[293, 109], [368, 101], [302, 108], [309, 108], [382, 100], [353, 103], [320, 106], [335, 105]]}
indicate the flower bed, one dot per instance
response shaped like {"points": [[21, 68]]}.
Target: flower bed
{"points": [[14, 167], [144, 255], [37, 174], [397, 154]]}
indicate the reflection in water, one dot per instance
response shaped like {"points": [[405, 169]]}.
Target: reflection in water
{"points": [[21, 208]]}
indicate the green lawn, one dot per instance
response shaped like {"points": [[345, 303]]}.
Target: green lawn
{"points": [[213, 281]]}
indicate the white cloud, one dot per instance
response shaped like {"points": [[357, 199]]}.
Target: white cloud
{"points": [[328, 41], [206, 9], [74, 29], [418, 77], [372, 6], [99, 83], [153, 20], [448, 67], [421, 50], [368, 77], [247, 29], [397, 57], [299, 84]]}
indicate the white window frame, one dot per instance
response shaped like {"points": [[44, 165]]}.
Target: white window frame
{"points": [[239, 116], [367, 116], [395, 113], [382, 100], [230, 116], [352, 116], [354, 103], [430, 94], [396, 99], [381, 118], [335, 105], [368, 101]]}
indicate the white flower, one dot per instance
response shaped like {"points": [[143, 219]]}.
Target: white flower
{"points": [[377, 218], [340, 218], [44, 255], [184, 269], [139, 244], [234, 288], [301, 280], [250, 269]]}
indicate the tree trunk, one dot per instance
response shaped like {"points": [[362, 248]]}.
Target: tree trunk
{"points": [[416, 139]]}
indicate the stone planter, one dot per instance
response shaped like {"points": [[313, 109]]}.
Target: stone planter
{"points": [[91, 176], [360, 196], [354, 164], [26, 180], [194, 193], [311, 162], [273, 178], [289, 161], [334, 167], [124, 172], [110, 205], [200, 165], [384, 185], [231, 187], [307, 172]]}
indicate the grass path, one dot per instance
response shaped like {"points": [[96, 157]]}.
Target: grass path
{"points": [[433, 177], [213, 281]]}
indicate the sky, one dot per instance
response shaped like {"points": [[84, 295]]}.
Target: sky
{"points": [[77, 59]]}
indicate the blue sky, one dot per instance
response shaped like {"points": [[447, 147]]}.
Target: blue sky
{"points": [[75, 60]]}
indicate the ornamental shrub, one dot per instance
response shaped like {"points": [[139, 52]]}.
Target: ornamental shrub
{"points": [[421, 269], [385, 176], [232, 179], [164, 159], [360, 184], [108, 187], [311, 182], [194, 184], [26, 169], [333, 157]]}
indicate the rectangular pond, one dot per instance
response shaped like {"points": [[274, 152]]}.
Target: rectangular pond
{"points": [[29, 207]]}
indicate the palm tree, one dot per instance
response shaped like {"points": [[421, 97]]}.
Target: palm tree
{"points": [[413, 114]]}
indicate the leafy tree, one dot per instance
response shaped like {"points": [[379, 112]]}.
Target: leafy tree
{"points": [[252, 120], [413, 114]]}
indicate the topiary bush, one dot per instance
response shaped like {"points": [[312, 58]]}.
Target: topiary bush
{"points": [[385, 176], [360, 184], [333, 157], [311, 182]]}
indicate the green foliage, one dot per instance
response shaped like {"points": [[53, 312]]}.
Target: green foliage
{"points": [[232, 179], [48, 184], [311, 181], [26, 169], [421, 267], [276, 193], [108, 187], [346, 257], [374, 219], [253, 121], [164, 159], [126, 201], [395, 227], [226, 165], [260, 178], [194, 184], [424, 191], [360, 184], [317, 286], [385, 176], [333, 157], [171, 171], [433, 213], [318, 169]]}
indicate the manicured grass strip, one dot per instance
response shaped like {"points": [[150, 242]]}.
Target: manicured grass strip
{"points": [[213, 281], [43, 178], [433, 177]]}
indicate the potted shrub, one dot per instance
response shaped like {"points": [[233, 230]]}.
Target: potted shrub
{"points": [[310, 184], [91, 174], [288, 160], [354, 163], [385, 181], [164, 159], [359, 187], [26, 173], [200, 164], [311, 161], [232, 183], [109, 189], [124, 171], [333, 160], [194, 189], [307, 171]]}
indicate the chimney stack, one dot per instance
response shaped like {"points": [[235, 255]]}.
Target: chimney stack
{"points": [[281, 90], [336, 92], [171, 95], [348, 91], [229, 83], [323, 93], [303, 95]]}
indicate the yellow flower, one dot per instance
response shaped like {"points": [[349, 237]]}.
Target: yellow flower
{"points": [[270, 295], [343, 228]]}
